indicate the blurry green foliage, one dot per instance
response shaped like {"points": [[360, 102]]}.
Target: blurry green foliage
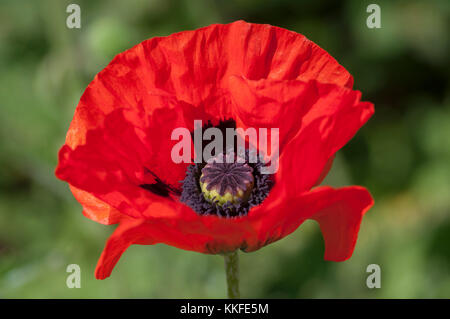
{"points": [[402, 155]]}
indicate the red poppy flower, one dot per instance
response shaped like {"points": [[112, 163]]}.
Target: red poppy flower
{"points": [[117, 156]]}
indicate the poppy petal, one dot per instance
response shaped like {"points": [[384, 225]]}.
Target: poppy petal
{"points": [[338, 211], [117, 158], [325, 170], [130, 231], [132, 138], [268, 103], [196, 65], [95, 209], [339, 217], [258, 51], [333, 120]]}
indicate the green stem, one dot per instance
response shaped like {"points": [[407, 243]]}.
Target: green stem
{"points": [[232, 272]]}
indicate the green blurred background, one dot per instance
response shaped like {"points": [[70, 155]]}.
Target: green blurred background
{"points": [[402, 155]]}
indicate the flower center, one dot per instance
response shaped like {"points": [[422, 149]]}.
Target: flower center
{"points": [[224, 189], [223, 182]]}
